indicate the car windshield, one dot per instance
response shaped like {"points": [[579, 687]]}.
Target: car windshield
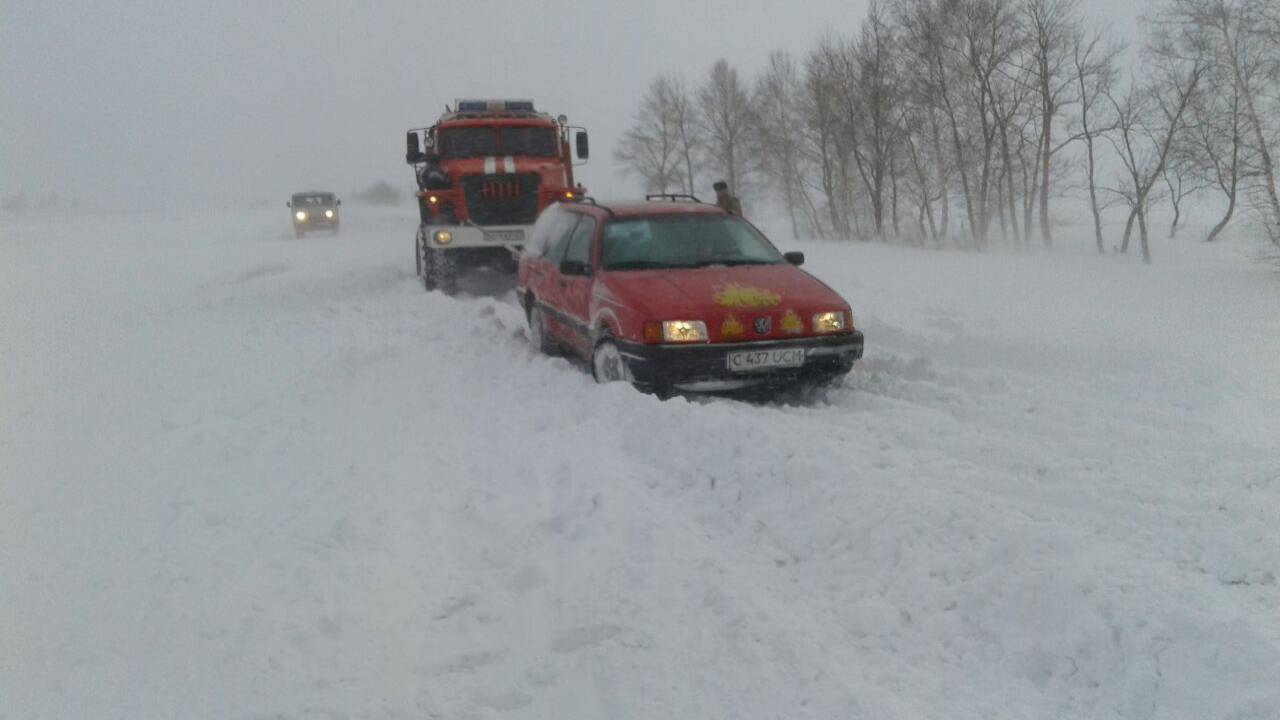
{"points": [[684, 242], [536, 141], [313, 200], [468, 142]]}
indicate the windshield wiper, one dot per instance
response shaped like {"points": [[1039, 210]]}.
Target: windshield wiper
{"points": [[640, 265], [731, 263]]}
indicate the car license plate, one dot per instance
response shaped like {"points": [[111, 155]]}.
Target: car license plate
{"points": [[748, 360], [505, 236]]}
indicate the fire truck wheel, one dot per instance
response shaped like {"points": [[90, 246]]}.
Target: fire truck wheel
{"points": [[425, 270], [443, 270]]}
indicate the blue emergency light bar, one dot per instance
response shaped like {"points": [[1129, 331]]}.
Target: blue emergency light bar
{"points": [[468, 106]]}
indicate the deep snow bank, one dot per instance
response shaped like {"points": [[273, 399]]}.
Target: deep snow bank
{"points": [[243, 475]]}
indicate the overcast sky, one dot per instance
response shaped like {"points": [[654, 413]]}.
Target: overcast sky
{"points": [[152, 103]]}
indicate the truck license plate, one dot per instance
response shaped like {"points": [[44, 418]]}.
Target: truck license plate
{"points": [[505, 236], [748, 360]]}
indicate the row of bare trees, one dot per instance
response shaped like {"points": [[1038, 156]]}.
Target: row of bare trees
{"points": [[968, 122]]}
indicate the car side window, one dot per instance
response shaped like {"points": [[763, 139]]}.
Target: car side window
{"points": [[580, 244], [561, 231]]}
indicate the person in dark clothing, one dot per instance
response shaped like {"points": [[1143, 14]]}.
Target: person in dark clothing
{"points": [[725, 200]]}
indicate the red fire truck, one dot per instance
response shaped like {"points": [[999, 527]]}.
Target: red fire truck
{"points": [[484, 171]]}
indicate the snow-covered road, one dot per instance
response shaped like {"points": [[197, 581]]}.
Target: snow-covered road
{"points": [[248, 476]]}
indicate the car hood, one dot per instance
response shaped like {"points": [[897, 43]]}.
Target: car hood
{"points": [[718, 289]]}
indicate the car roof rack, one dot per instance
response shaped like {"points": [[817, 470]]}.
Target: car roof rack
{"points": [[588, 200], [673, 197]]}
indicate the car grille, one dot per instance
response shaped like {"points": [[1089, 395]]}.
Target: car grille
{"points": [[502, 199]]}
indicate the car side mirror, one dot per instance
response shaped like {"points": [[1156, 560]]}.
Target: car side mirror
{"points": [[795, 258], [584, 148], [412, 151], [574, 267]]}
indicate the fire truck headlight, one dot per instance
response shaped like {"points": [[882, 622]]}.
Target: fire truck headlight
{"points": [[300, 216], [328, 213], [443, 237], [433, 199]]}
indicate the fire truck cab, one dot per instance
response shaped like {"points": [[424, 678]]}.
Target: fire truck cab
{"points": [[484, 172]]}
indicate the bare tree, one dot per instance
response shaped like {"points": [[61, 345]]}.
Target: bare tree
{"points": [[648, 149], [724, 116], [1182, 179], [1216, 141], [1149, 119], [1243, 39], [1054, 27], [821, 119], [1093, 62], [688, 140], [869, 81], [775, 138]]}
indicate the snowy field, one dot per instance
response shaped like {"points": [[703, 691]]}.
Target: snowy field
{"points": [[249, 476]]}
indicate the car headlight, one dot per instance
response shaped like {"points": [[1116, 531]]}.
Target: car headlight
{"points": [[300, 216], [830, 322], [443, 237], [684, 331], [328, 213]]}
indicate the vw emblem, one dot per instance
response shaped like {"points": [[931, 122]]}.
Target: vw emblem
{"points": [[763, 325]]}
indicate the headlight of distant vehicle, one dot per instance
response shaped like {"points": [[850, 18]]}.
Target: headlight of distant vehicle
{"points": [[300, 216], [684, 331], [328, 213], [830, 322], [443, 237]]}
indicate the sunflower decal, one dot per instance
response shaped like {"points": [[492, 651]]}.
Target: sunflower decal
{"points": [[741, 296], [731, 327], [791, 323]]}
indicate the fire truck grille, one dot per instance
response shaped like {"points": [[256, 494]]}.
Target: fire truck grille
{"points": [[502, 199]]}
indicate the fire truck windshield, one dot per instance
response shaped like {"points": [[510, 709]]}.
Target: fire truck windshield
{"points": [[468, 142], [476, 141], [536, 141]]}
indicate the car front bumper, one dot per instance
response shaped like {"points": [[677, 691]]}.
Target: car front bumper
{"points": [[313, 221], [705, 367]]}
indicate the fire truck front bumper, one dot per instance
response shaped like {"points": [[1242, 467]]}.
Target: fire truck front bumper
{"points": [[449, 237]]}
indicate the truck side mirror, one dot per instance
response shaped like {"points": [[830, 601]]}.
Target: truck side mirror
{"points": [[288, 203], [584, 149], [795, 258], [412, 151]]}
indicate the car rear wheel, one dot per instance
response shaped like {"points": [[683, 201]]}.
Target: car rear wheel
{"points": [[538, 336], [608, 365]]}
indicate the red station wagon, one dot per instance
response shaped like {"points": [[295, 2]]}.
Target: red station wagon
{"points": [[678, 295]]}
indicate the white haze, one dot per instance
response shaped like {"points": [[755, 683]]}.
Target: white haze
{"points": [[144, 104]]}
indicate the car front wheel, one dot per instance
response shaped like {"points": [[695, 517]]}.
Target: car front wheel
{"points": [[608, 365]]}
